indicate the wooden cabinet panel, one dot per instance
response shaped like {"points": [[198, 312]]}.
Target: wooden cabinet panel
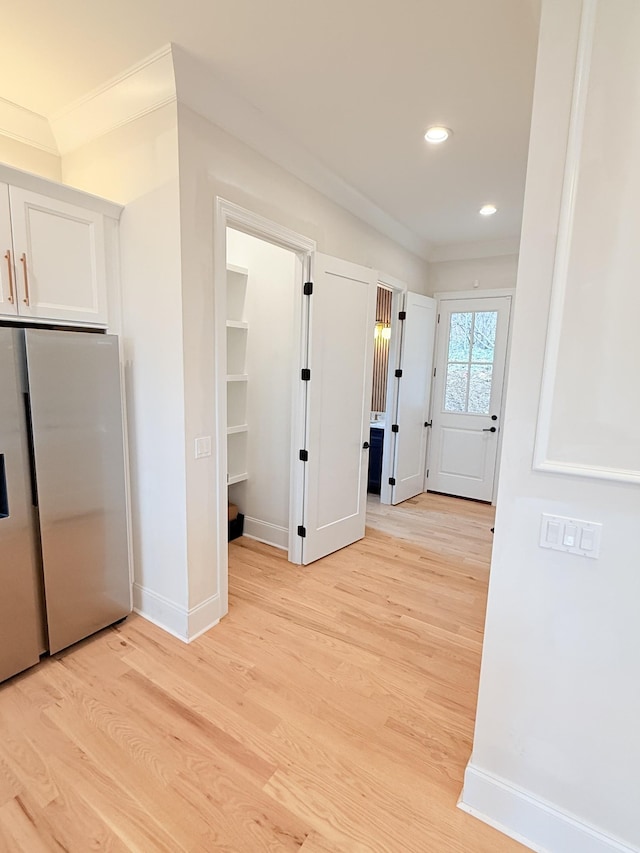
{"points": [[8, 301]]}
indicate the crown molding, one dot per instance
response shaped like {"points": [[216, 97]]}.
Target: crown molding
{"points": [[139, 90], [470, 251], [24, 126], [209, 96], [172, 74]]}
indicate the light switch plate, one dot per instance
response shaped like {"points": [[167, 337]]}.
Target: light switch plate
{"points": [[571, 535], [203, 446]]}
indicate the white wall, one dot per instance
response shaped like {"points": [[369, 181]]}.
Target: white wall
{"points": [[270, 309], [167, 168], [31, 159], [557, 743], [213, 163], [137, 165], [489, 273]]}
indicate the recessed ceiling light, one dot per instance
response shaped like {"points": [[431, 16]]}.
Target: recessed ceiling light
{"points": [[488, 210], [437, 134]]}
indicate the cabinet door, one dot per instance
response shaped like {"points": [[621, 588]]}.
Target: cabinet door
{"points": [[8, 301], [59, 258]]}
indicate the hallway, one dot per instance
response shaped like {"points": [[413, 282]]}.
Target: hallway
{"points": [[332, 710]]}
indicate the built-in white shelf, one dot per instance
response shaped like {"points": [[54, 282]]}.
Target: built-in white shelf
{"points": [[234, 430], [237, 478], [237, 380]]}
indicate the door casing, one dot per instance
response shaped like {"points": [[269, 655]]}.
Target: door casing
{"points": [[399, 288], [227, 214], [443, 296]]}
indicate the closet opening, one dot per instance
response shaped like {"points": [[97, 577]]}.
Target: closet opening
{"points": [[262, 339]]}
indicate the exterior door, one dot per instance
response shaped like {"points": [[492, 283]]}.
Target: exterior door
{"points": [[340, 360], [467, 396], [59, 259], [414, 397]]}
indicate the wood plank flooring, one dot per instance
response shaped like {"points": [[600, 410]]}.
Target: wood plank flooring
{"points": [[331, 711]]}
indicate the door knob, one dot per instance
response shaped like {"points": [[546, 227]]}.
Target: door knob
{"points": [[365, 446], [490, 429], [494, 417]]}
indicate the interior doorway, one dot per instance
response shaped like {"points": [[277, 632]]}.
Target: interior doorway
{"points": [[293, 343], [404, 337], [381, 392], [263, 327]]}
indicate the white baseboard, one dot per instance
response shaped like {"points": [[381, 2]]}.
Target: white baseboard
{"points": [[270, 534], [531, 821], [184, 624], [203, 616]]}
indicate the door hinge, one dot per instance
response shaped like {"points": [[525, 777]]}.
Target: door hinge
{"points": [[305, 374], [427, 473], [392, 481], [302, 531], [438, 318], [308, 288], [395, 428], [398, 374], [434, 371], [304, 455], [402, 315], [428, 423]]}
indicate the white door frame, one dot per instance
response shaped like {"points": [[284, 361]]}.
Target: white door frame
{"points": [[230, 215], [398, 288], [444, 296]]}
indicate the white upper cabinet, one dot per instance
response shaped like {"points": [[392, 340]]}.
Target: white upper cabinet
{"points": [[58, 247], [8, 300], [59, 259]]}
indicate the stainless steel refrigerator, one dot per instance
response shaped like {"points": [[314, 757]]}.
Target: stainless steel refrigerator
{"points": [[64, 569]]}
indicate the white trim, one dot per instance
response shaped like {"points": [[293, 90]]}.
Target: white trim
{"points": [[228, 214], [210, 96], [392, 282], [529, 819], [443, 295], [202, 617], [139, 90], [181, 623], [393, 385], [161, 611], [472, 251], [27, 127], [265, 229], [455, 296], [263, 531], [541, 461]]}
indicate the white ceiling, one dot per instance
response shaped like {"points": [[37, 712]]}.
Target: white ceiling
{"points": [[356, 82]]}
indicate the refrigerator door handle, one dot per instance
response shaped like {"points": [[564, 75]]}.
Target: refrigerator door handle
{"points": [[4, 494], [30, 449]]}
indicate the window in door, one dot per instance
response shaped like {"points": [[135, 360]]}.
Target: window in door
{"points": [[470, 354]]}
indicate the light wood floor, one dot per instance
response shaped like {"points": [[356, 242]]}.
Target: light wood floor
{"points": [[332, 710]]}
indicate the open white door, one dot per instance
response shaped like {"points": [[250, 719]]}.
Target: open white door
{"points": [[414, 396], [341, 326]]}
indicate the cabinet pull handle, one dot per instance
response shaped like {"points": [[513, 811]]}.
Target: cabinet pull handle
{"points": [[23, 261], [7, 256]]}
